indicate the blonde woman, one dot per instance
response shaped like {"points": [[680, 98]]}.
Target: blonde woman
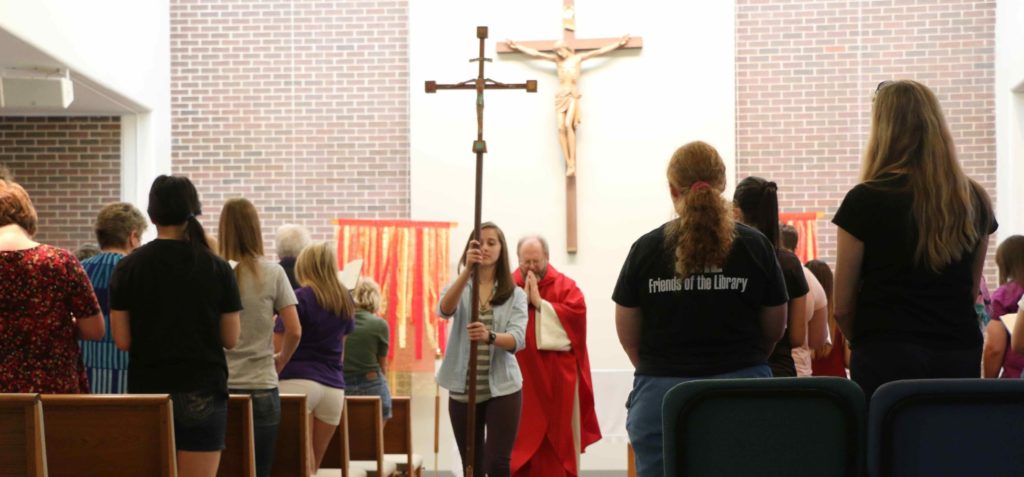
{"points": [[366, 349], [325, 312], [265, 291], [911, 248], [701, 296]]}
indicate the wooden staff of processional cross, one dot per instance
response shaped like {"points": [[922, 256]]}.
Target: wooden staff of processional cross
{"points": [[479, 84]]}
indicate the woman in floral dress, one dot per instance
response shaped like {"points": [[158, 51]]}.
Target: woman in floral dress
{"points": [[46, 304]]}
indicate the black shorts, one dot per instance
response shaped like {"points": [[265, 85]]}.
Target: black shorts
{"points": [[200, 418]]}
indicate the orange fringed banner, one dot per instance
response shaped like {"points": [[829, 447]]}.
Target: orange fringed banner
{"points": [[409, 260], [806, 224]]}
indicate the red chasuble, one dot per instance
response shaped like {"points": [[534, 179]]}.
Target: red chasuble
{"points": [[545, 446]]}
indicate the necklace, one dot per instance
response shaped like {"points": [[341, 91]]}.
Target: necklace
{"points": [[485, 304]]}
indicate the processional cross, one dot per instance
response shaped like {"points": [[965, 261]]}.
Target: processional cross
{"points": [[479, 84], [566, 54]]}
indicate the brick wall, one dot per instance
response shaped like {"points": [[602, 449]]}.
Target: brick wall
{"points": [[302, 107], [70, 166], [806, 71]]}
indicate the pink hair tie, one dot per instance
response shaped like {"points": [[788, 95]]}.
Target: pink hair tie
{"points": [[699, 185]]}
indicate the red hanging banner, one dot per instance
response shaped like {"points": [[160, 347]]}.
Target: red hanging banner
{"points": [[409, 259], [806, 224]]}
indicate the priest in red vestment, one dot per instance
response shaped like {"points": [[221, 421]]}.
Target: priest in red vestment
{"points": [[558, 420]]}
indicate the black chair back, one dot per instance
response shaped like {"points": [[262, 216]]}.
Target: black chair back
{"points": [[947, 427], [790, 427]]}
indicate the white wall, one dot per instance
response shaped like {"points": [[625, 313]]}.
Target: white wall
{"points": [[638, 106], [1010, 115], [123, 45]]}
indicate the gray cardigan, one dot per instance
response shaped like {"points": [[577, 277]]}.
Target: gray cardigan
{"points": [[509, 317]]}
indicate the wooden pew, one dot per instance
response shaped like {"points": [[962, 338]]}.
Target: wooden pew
{"points": [[290, 458], [238, 458], [104, 435], [22, 449], [363, 454], [398, 438]]}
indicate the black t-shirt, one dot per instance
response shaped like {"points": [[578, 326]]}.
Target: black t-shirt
{"points": [[781, 359], [174, 298], [900, 300], [707, 323]]}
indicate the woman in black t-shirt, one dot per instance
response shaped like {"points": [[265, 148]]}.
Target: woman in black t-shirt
{"points": [[698, 297], [757, 205], [174, 306], [911, 248]]}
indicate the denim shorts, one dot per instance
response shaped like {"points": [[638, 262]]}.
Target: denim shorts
{"points": [[358, 385], [200, 418]]}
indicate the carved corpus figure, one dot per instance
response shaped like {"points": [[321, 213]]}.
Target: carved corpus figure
{"points": [[567, 99]]}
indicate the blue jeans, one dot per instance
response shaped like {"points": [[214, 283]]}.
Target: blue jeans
{"points": [[359, 385], [643, 420], [266, 415]]}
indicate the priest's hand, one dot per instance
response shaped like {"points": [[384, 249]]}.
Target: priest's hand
{"points": [[532, 291], [478, 332]]}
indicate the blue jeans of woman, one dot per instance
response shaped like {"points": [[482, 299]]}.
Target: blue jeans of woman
{"points": [[371, 384], [266, 416], [643, 420]]}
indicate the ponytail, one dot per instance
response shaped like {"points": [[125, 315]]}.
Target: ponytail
{"points": [[173, 200], [702, 236], [758, 199], [196, 235], [703, 233]]}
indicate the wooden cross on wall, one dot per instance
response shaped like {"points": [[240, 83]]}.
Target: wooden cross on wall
{"points": [[566, 104]]}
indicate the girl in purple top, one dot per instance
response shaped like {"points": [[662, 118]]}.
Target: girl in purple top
{"points": [[325, 312], [998, 356]]}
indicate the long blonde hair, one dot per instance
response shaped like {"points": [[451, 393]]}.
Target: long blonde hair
{"points": [[703, 234], [317, 268], [909, 136], [240, 238]]}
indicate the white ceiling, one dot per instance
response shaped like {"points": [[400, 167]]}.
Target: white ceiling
{"points": [[90, 97]]}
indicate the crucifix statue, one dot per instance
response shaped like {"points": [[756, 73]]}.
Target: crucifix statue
{"points": [[568, 55], [568, 95], [478, 84]]}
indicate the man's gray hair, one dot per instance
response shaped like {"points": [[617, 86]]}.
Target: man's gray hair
{"points": [[290, 240], [543, 244]]}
